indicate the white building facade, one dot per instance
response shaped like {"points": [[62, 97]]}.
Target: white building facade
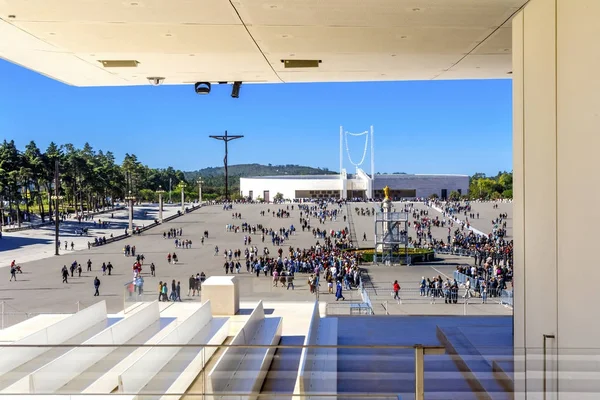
{"points": [[348, 186]]}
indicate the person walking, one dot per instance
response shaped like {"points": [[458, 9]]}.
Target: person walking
{"points": [[173, 291], [338, 291], [467, 289], [160, 291], [165, 291], [192, 286], [484, 292], [139, 282], [89, 265], [178, 291], [13, 273], [79, 270], [396, 289], [65, 274], [97, 286]]}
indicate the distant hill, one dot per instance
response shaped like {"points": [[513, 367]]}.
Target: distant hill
{"points": [[246, 170]]}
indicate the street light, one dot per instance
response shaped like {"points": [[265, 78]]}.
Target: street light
{"points": [[182, 185], [160, 192], [57, 200], [200, 182], [130, 199]]}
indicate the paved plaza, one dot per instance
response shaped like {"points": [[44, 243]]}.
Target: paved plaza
{"points": [[39, 288], [35, 244]]}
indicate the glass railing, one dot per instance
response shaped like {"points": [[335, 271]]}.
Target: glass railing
{"points": [[220, 371], [294, 371]]}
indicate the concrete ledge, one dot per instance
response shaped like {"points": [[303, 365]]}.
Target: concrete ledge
{"points": [[109, 382], [323, 372], [134, 378], [304, 367], [243, 370], [67, 367], [54, 334], [197, 364]]}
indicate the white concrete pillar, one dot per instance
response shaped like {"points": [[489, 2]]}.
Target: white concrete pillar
{"points": [[223, 292], [556, 133], [344, 186]]}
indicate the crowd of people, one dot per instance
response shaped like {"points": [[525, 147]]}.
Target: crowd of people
{"points": [[325, 268]]}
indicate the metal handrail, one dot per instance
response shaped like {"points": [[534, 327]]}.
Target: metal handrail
{"points": [[249, 346], [546, 337]]}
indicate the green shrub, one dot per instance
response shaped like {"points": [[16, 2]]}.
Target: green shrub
{"points": [[416, 254]]}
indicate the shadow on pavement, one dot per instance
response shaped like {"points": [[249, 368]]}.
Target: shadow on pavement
{"points": [[12, 243]]}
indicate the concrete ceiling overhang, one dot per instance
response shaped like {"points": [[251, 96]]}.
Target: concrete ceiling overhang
{"points": [[187, 41]]}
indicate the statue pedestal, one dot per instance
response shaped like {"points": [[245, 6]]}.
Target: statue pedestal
{"points": [[387, 208]]}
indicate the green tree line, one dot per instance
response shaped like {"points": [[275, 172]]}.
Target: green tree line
{"points": [[89, 179], [491, 187], [486, 187]]}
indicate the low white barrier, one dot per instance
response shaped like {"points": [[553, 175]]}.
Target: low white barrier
{"points": [[63, 369], [152, 361], [305, 365], [189, 374], [243, 370], [54, 334]]}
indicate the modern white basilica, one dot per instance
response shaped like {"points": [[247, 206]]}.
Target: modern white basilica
{"points": [[352, 186]]}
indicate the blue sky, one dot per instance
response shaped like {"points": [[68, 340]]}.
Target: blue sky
{"points": [[459, 127]]}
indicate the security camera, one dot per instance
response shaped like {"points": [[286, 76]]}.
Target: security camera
{"points": [[202, 87], [155, 80]]}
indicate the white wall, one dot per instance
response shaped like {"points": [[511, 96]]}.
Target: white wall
{"points": [[424, 185], [556, 139], [364, 183], [287, 187], [54, 334]]}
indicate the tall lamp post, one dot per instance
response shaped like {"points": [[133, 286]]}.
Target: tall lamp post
{"points": [[200, 182], [182, 185], [56, 199], [130, 199], [160, 192]]}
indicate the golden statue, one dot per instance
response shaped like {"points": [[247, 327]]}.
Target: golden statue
{"points": [[386, 192]]}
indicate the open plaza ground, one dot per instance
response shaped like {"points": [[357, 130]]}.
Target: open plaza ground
{"points": [[40, 289]]}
